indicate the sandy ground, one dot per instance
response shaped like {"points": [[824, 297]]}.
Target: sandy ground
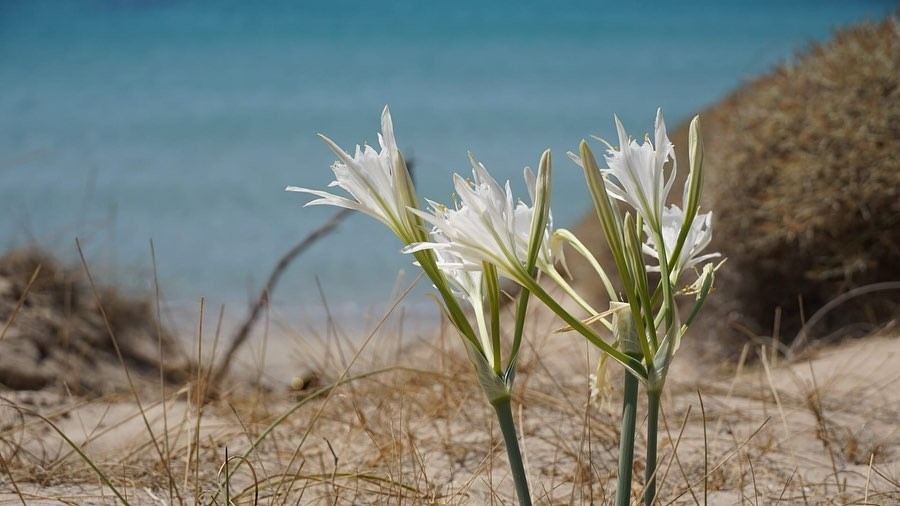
{"points": [[416, 429]]}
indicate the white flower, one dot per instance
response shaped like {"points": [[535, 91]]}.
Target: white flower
{"points": [[466, 284], [697, 238], [486, 225], [378, 182], [636, 172]]}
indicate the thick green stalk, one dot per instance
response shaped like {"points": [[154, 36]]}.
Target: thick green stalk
{"points": [[508, 427], [626, 439], [652, 426]]}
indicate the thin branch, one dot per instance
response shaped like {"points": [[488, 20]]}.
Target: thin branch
{"points": [[244, 332], [803, 336]]}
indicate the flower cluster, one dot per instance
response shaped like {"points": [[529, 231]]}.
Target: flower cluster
{"points": [[488, 233]]}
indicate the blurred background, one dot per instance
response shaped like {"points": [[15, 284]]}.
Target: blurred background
{"points": [[183, 121]]}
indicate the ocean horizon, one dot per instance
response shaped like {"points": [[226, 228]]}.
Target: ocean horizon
{"points": [[182, 122]]}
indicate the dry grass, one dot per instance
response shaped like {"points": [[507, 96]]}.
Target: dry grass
{"points": [[413, 428], [803, 179], [59, 329]]}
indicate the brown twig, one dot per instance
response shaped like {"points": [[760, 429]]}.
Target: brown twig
{"points": [[241, 335], [803, 336]]}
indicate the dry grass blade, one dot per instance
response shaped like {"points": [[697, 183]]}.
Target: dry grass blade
{"points": [[118, 350], [745, 351], [706, 471], [200, 401], [173, 490], [12, 317], [12, 480], [721, 463], [786, 485], [776, 396], [814, 402], [524, 446], [868, 478], [84, 457], [892, 481], [270, 484], [674, 457], [246, 433], [224, 467], [753, 477]]}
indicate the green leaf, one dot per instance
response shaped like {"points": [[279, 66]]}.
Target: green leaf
{"points": [[608, 219], [494, 386], [694, 188], [492, 284], [702, 287], [541, 212], [641, 304], [667, 348], [581, 249], [624, 328]]}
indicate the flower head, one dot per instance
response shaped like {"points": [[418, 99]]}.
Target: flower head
{"points": [[697, 238], [636, 172], [486, 225], [378, 182]]}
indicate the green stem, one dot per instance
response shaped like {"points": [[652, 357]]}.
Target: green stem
{"points": [[652, 426], [508, 427], [626, 438]]}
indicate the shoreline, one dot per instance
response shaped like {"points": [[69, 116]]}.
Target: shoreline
{"points": [[288, 344]]}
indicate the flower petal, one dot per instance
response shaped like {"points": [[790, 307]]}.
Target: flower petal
{"points": [[378, 183]]}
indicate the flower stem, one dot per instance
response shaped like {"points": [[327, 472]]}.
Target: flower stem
{"points": [[652, 426], [626, 439], [508, 427]]}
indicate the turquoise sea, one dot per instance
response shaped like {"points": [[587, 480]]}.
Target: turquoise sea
{"points": [[183, 121]]}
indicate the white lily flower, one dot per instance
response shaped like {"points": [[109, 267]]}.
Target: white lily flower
{"points": [[378, 182], [487, 225], [636, 172], [466, 284], [698, 237]]}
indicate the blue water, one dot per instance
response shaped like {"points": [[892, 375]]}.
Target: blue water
{"points": [[183, 121]]}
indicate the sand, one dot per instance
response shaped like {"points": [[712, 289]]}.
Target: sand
{"points": [[819, 430]]}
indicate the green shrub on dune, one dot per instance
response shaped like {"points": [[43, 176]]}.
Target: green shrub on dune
{"points": [[803, 170]]}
